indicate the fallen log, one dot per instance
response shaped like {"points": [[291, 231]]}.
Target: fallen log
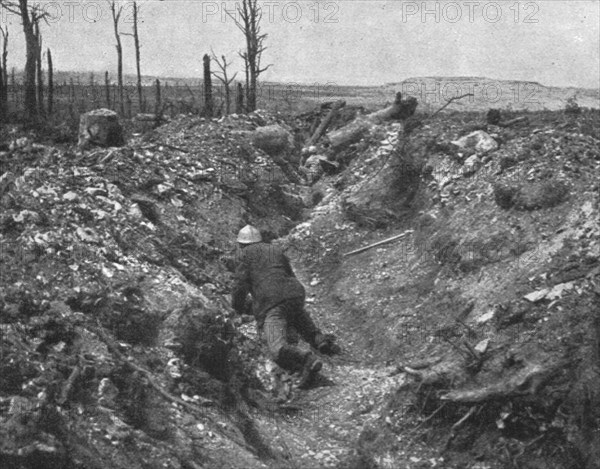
{"points": [[322, 128], [527, 381], [399, 110], [349, 134], [352, 132]]}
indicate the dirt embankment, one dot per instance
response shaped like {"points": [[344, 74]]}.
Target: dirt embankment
{"points": [[470, 342], [488, 307], [116, 346]]}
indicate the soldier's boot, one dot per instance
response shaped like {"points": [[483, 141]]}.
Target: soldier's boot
{"points": [[325, 343], [312, 365], [290, 358]]}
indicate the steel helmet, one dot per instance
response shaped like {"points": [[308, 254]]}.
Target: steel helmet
{"points": [[248, 235]]}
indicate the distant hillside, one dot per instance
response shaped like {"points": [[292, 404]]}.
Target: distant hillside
{"points": [[432, 92], [490, 93]]}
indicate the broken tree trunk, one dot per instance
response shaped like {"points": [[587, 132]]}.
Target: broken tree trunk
{"points": [[326, 122], [39, 74], [208, 100], [107, 89], [157, 100], [239, 101], [399, 110], [50, 85], [351, 133], [527, 381]]}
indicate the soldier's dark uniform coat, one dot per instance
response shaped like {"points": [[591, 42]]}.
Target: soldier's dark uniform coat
{"points": [[264, 271]]}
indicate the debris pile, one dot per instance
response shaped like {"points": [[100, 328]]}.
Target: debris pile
{"points": [[115, 323], [455, 257]]}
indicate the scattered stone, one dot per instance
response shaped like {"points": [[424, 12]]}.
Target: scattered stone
{"points": [[471, 165], [478, 141], [482, 346], [486, 317], [107, 393], [536, 296]]}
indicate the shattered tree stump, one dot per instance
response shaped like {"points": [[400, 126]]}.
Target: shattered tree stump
{"points": [[100, 127], [273, 140]]}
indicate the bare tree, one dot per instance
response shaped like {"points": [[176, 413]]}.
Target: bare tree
{"points": [[116, 16], [136, 41], [244, 56], [4, 75], [50, 84], [107, 89], [223, 78], [38, 69], [30, 16], [239, 102], [250, 16], [208, 98], [157, 104]]}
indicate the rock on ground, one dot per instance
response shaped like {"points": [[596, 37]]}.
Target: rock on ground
{"points": [[100, 127], [479, 141], [273, 140]]}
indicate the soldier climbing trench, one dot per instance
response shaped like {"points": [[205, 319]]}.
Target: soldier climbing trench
{"points": [[264, 271]]}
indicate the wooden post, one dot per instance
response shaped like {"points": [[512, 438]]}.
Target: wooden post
{"points": [[4, 75], [38, 70], [107, 89], [128, 102], [157, 103], [116, 15], [136, 39], [239, 101], [208, 100], [50, 84]]}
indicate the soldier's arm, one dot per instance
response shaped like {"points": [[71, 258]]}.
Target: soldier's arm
{"points": [[241, 287], [287, 265]]}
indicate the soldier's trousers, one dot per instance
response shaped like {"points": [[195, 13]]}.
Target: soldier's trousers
{"points": [[275, 331]]}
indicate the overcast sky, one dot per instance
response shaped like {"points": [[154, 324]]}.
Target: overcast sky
{"points": [[344, 42]]}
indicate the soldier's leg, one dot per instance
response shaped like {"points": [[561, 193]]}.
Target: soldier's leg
{"points": [[296, 316], [312, 334], [275, 331], [304, 324]]}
